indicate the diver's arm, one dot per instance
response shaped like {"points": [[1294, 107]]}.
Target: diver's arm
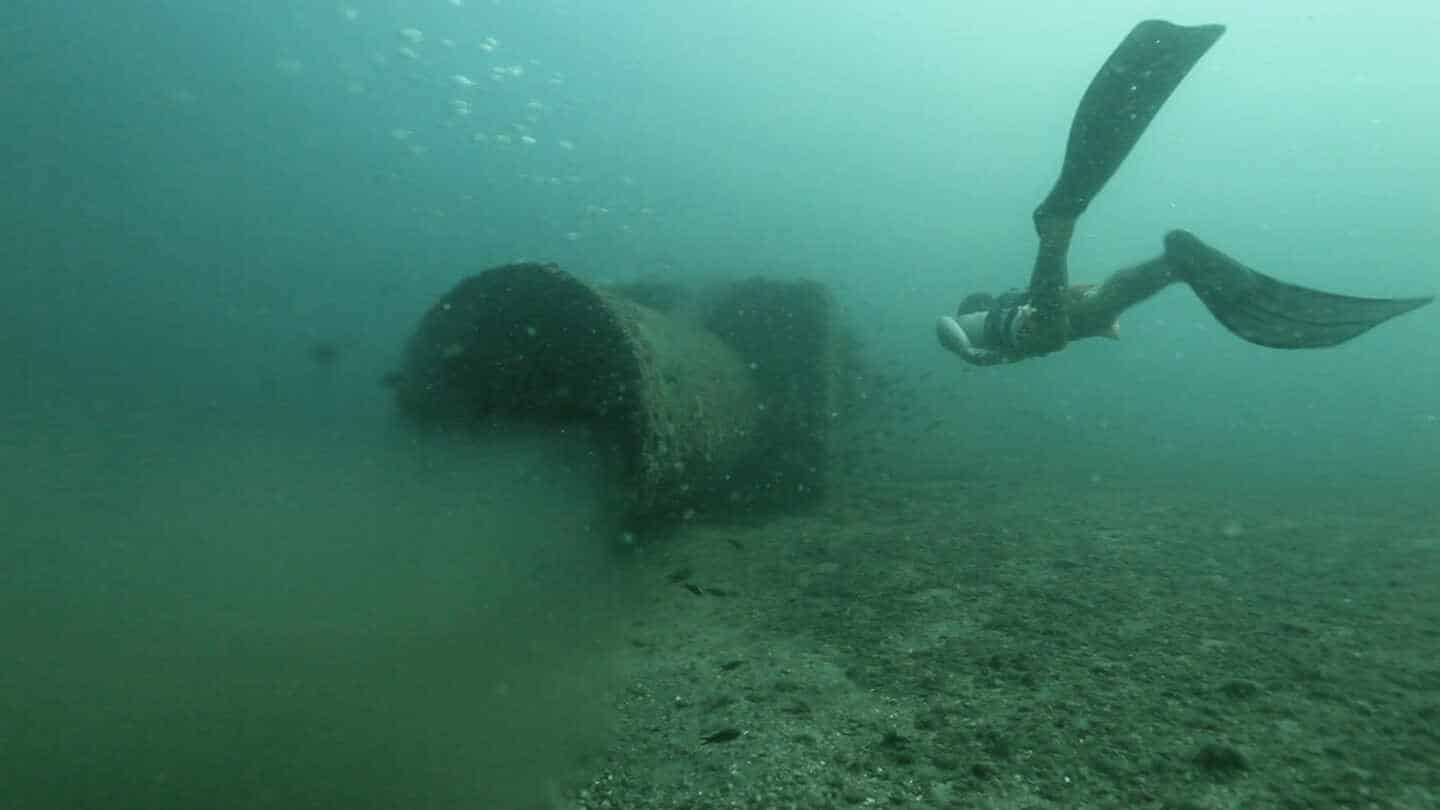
{"points": [[955, 336]]}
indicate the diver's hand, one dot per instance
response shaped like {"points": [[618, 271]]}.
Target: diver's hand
{"points": [[953, 337]]}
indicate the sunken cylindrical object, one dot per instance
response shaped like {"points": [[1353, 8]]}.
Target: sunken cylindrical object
{"points": [[531, 342]]}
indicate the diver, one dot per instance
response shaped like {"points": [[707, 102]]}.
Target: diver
{"points": [[1119, 104]]}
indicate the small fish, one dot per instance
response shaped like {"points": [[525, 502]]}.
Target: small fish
{"points": [[724, 735], [324, 353]]}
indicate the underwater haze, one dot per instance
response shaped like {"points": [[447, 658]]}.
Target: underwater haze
{"points": [[198, 192], [223, 220]]}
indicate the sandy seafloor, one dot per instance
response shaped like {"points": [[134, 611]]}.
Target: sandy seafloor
{"points": [[1008, 644], [990, 642]]}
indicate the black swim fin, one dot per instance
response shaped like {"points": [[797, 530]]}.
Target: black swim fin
{"points": [[1122, 99], [1270, 312]]}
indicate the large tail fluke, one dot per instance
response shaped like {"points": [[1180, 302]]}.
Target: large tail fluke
{"points": [[1270, 312]]}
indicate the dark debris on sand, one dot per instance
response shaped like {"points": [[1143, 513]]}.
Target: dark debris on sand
{"points": [[946, 645]]}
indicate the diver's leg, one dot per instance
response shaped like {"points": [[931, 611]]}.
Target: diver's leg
{"points": [[1047, 325], [1270, 312], [1094, 312], [1119, 104]]}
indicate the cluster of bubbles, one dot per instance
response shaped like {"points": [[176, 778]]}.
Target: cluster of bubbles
{"points": [[501, 106]]}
